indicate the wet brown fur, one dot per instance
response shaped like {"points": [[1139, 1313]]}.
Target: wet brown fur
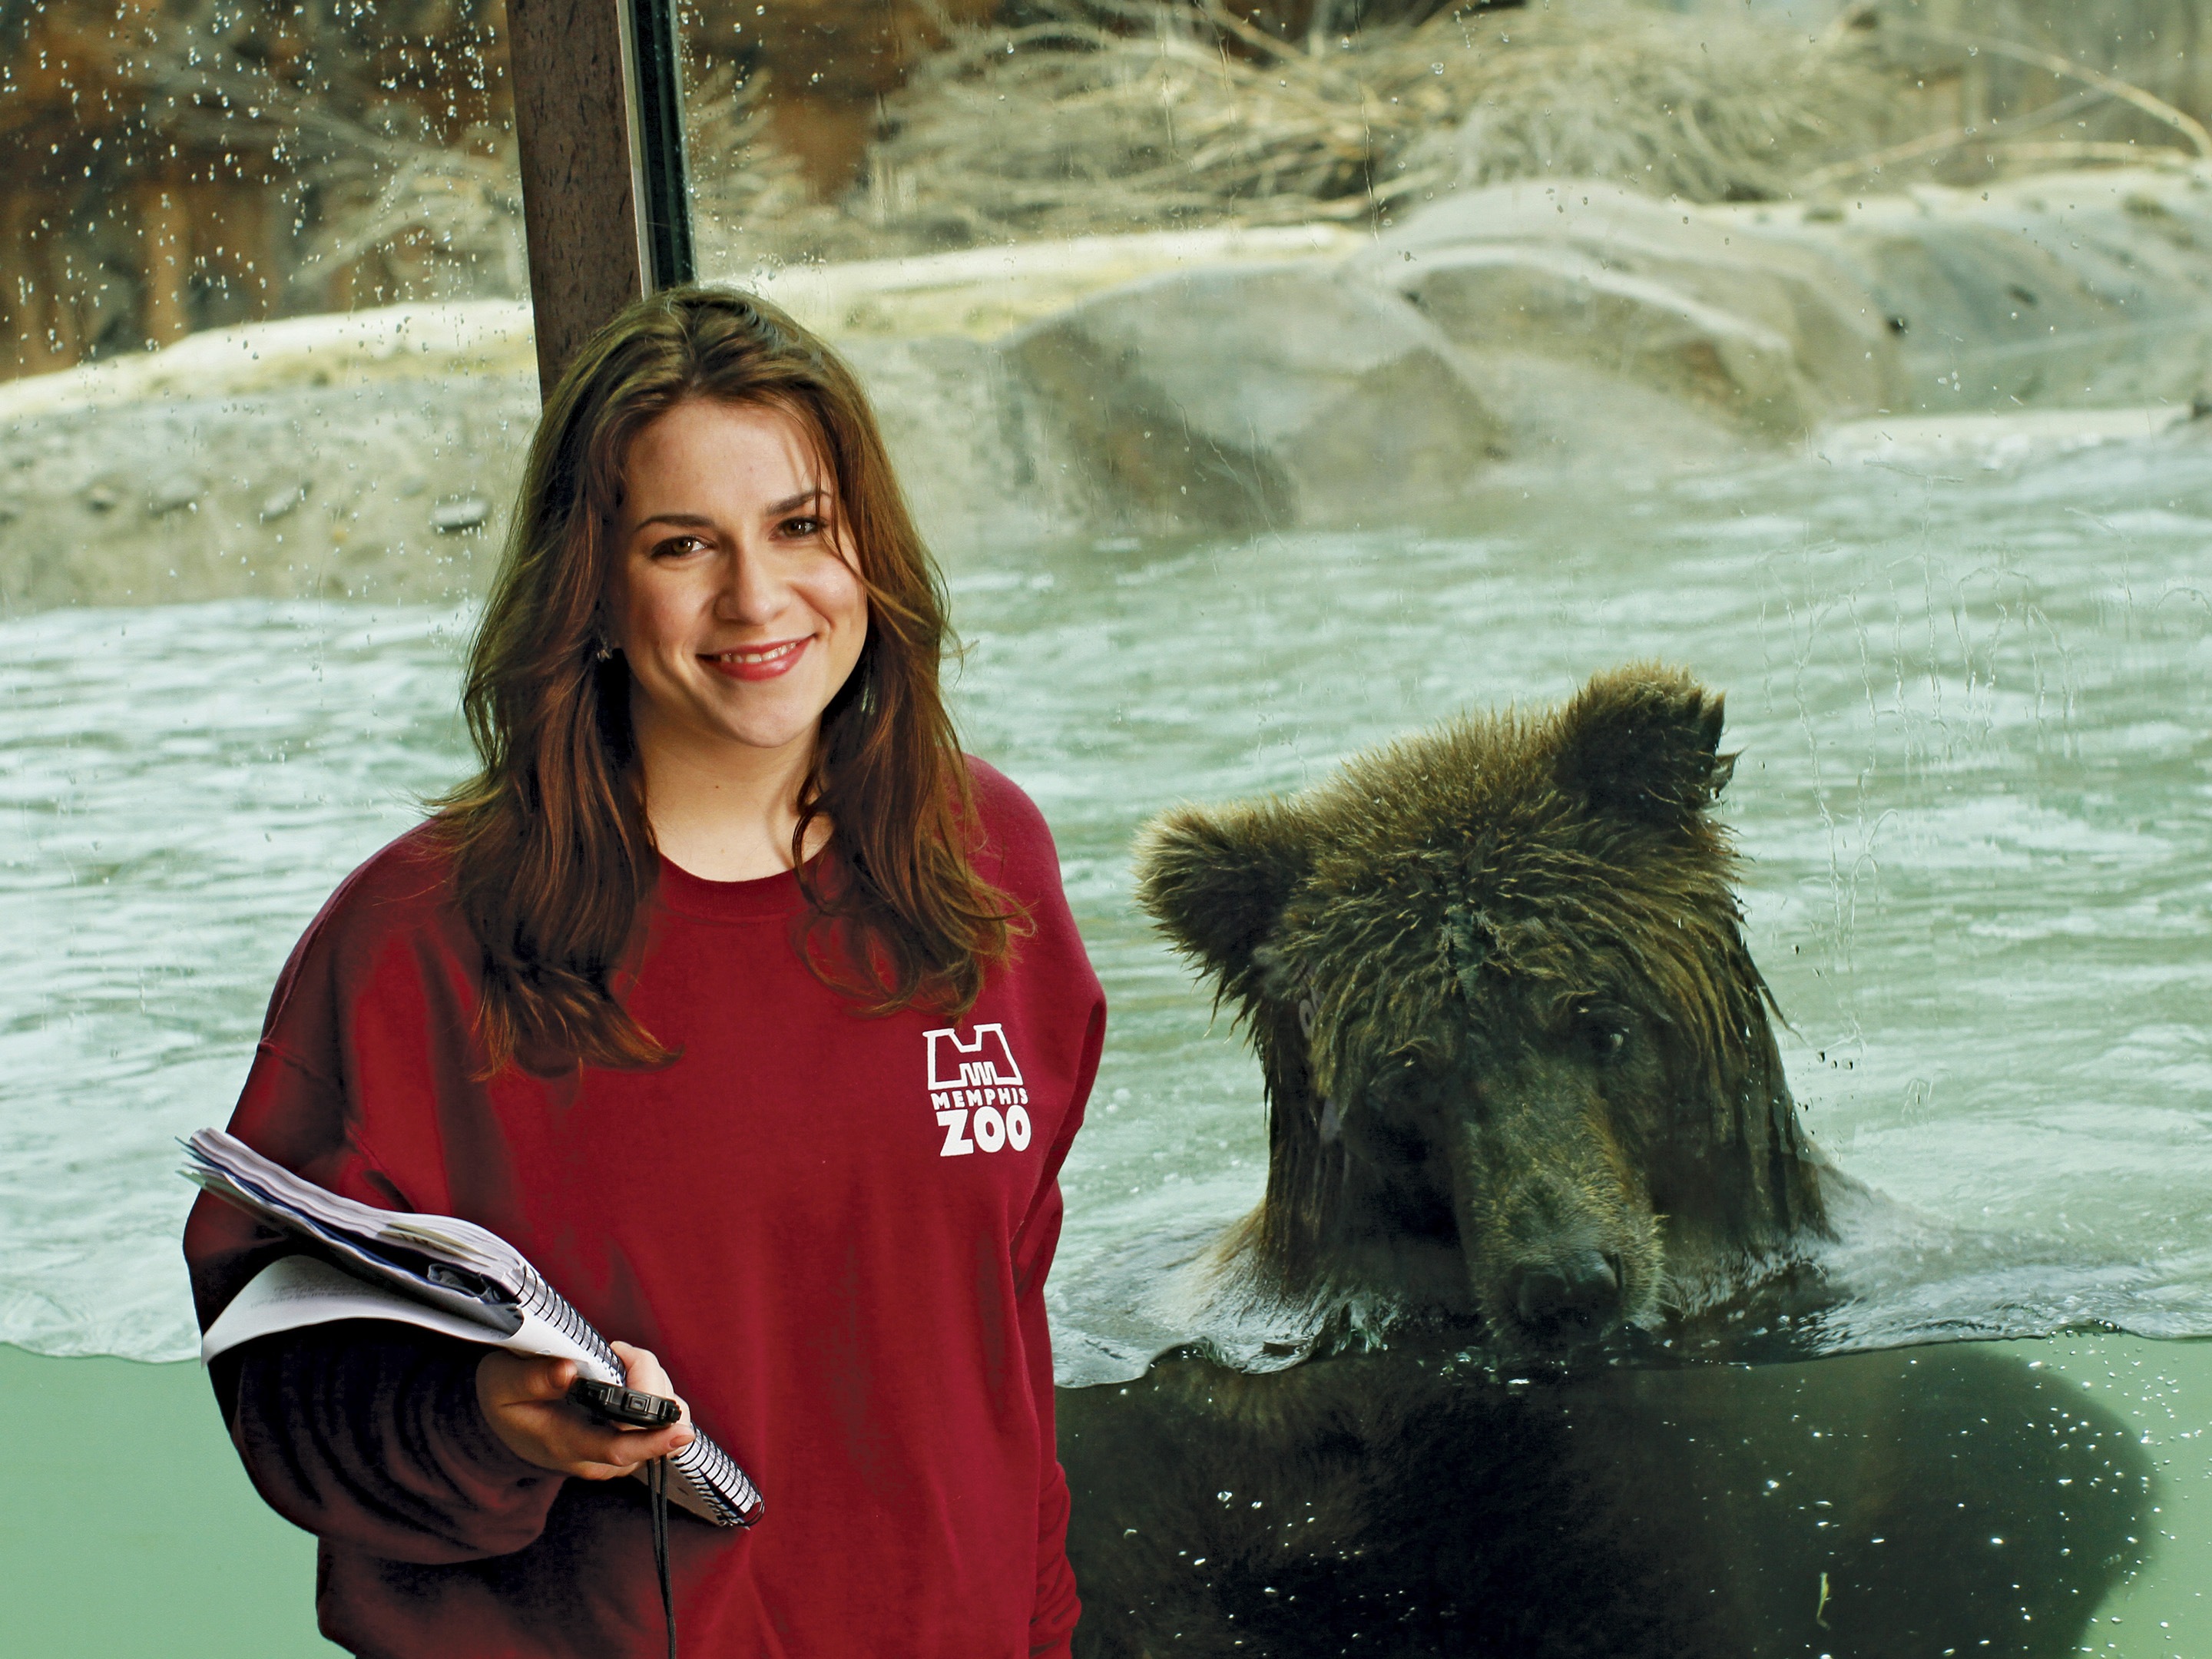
{"points": [[1525, 987]]}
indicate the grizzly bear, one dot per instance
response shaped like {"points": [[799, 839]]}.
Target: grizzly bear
{"points": [[1534, 1167]]}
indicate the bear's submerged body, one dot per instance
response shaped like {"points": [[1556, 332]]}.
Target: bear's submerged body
{"points": [[1900, 1506], [1524, 1094]]}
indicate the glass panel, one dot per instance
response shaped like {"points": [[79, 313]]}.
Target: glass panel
{"points": [[1272, 381], [268, 365], [1275, 380]]}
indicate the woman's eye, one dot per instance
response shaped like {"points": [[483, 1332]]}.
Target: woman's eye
{"points": [[677, 547], [799, 529]]}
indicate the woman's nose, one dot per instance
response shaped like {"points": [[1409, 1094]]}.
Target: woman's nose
{"points": [[751, 590]]}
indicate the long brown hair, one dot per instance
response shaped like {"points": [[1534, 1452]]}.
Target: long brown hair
{"points": [[553, 855]]}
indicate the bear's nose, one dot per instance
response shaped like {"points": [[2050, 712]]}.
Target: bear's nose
{"points": [[1574, 1294]]}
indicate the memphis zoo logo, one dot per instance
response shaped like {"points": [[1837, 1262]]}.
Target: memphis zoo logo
{"points": [[975, 1089]]}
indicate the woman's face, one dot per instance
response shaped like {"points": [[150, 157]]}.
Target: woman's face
{"points": [[733, 596]]}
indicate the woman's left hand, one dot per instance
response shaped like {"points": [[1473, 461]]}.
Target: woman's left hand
{"points": [[524, 1399]]}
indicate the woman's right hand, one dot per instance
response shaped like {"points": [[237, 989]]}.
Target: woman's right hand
{"points": [[523, 1398]]}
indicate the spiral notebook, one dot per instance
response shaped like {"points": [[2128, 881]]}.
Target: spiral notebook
{"points": [[436, 1272]]}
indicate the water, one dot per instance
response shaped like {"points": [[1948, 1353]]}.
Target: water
{"points": [[1970, 693], [1971, 711], [187, 783]]}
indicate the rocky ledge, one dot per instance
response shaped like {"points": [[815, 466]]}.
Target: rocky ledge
{"points": [[1210, 382]]}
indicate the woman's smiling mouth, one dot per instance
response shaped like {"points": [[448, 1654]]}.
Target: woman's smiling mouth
{"points": [[758, 662]]}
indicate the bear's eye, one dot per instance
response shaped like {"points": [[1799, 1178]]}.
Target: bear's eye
{"points": [[1389, 1122], [1607, 1032], [1394, 1089], [1399, 1096]]}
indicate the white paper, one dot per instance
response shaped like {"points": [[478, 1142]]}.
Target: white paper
{"points": [[298, 1291]]}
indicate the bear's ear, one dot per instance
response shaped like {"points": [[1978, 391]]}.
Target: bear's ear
{"points": [[1215, 880], [1641, 742]]}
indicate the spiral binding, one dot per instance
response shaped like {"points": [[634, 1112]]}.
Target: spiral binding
{"points": [[715, 1479], [711, 1474], [536, 1297]]}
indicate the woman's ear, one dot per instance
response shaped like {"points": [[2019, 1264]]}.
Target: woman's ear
{"points": [[1217, 880]]}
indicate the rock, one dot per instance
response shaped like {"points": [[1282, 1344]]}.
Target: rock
{"points": [[281, 502], [345, 530], [452, 518], [968, 440], [1567, 416], [1260, 397], [1774, 336], [1553, 301], [173, 492], [2090, 289]]}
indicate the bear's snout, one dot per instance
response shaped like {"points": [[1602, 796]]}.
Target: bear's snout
{"points": [[1575, 1294]]}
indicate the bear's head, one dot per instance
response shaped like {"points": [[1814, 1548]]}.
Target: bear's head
{"points": [[1518, 1060]]}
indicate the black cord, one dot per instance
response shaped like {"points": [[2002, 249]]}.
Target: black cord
{"points": [[656, 1482]]}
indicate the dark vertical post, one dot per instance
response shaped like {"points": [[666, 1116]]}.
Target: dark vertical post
{"points": [[663, 164], [605, 207]]}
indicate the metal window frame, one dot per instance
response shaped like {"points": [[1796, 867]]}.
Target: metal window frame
{"points": [[606, 199]]}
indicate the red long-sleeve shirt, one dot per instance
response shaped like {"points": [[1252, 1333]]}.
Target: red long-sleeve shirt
{"points": [[833, 1230]]}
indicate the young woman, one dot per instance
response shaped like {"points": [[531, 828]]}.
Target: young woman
{"points": [[747, 1007]]}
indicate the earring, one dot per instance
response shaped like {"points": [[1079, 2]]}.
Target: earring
{"points": [[604, 651]]}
